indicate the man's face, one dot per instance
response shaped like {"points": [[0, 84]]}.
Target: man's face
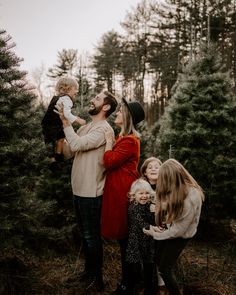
{"points": [[96, 104]]}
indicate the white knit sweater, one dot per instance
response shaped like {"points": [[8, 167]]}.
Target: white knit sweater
{"points": [[186, 225]]}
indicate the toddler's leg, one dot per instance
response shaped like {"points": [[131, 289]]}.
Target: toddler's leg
{"points": [[59, 146], [59, 150]]}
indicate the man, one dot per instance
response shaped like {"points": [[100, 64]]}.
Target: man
{"points": [[88, 178]]}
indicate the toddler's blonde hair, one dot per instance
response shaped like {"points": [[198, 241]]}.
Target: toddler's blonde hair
{"points": [[65, 84], [141, 184]]}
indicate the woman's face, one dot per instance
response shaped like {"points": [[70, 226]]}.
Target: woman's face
{"points": [[119, 117], [152, 171]]}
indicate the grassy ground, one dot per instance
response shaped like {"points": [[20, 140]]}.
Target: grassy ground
{"points": [[204, 268]]}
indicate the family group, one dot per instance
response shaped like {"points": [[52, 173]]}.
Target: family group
{"points": [[152, 211]]}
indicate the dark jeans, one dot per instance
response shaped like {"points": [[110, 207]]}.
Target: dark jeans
{"points": [[168, 252], [88, 212]]}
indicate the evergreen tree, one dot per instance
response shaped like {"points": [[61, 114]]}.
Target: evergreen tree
{"points": [[21, 212], [199, 129], [67, 64], [107, 59]]}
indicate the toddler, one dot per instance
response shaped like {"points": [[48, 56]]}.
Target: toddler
{"points": [[66, 91], [140, 249]]}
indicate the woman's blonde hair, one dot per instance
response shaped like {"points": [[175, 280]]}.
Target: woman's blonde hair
{"points": [[141, 184], [145, 164], [172, 188], [128, 125], [65, 84]]}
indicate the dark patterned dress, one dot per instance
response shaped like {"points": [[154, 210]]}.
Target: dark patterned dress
{"points": [[140, 246]]}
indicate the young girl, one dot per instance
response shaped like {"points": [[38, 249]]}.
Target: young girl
{"points": [[140, 249], [149, 171], [178, 209], [66, 90]]}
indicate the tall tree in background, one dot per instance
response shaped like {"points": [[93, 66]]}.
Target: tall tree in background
{"points": [[134, 58], [107, 59], [222, 29], [21, 212], [39, 80], [160, 38], [199, 127], [66, 64]]}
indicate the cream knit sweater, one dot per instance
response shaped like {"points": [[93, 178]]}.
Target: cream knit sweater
{"points": [[186, 225], [88, 146]]}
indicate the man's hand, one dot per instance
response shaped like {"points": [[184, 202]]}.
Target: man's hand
{"points": [[59, 109]]}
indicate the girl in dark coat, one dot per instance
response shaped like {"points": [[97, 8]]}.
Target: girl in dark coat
{"points": [[140, 249]]}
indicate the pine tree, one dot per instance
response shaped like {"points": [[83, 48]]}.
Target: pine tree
{"points": [[67, 64], [21, 212], [107, 59], [199, 129]]}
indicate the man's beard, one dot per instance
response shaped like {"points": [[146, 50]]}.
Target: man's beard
{"points": [[95, 111]]}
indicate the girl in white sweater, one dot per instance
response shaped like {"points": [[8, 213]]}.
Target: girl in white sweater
{"points": [[178, 209]]}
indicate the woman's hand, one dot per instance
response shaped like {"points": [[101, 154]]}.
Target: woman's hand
{"points": [[59, 109], [109, 137]]}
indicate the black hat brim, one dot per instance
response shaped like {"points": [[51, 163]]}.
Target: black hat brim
{"points": [[133, 115]]}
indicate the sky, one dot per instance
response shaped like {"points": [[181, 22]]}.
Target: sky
{"points": [[41, 28]]}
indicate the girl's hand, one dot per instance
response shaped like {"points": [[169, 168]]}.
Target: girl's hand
{"points": [[157, 229], [152, 208], [153, 230], [149, 232]]}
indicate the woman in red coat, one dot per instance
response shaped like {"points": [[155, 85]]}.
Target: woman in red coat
{"points": [[121, 163]]}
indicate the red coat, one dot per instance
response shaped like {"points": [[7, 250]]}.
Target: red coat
{"points": [[121, 165]]}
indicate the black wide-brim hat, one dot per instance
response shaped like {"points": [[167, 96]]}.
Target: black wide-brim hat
{"points": [[136, 110]]}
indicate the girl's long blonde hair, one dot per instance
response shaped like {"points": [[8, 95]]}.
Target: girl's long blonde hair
{"points": [[172, 188]]}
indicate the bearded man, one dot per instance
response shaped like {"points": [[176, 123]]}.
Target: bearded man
{"points": [[87, 179]]}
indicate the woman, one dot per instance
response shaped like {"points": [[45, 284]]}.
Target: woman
{"points": [[121, 163], [178, 209]]}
